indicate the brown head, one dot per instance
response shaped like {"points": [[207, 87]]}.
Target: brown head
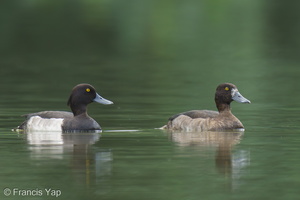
{"points": [[225, 94]]}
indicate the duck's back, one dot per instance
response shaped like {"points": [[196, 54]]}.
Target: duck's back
{"points": [[50, 114], [197, 114]]}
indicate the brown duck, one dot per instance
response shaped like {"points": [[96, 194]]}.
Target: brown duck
{"points": [[208, 120]]}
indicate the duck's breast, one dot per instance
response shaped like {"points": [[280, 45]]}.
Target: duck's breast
{"points": [[80, 123]]}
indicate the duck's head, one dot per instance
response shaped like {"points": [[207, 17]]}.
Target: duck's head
{"points": [[84, 94], [228, 92]]}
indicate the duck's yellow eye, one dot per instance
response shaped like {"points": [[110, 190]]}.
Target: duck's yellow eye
{"points": [[226, 88], [88, 89]]}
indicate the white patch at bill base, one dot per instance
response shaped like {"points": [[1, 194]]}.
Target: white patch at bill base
{"points": [[37, 123], [233, 91]]}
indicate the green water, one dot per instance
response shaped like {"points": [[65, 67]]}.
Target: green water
{"points": [[152, 59]]}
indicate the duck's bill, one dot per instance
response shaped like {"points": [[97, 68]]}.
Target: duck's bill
{"points": [[236, 96], [101, 100]]}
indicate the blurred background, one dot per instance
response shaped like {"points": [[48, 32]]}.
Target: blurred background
{"points": [[153, 59], [156, 57]]}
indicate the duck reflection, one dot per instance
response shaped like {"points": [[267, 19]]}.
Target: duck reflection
{"points": [[86, 163], [49, 144], [227, 163]]}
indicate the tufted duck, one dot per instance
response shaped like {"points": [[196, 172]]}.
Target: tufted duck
{"points": [[208, 120], [77, 120]]}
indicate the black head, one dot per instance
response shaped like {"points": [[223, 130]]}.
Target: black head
{"points": [[226, 93], [82, 95]]}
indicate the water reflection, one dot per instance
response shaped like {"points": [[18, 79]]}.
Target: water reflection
{"points": [[54, 144], [227, 163], [86, 164]]}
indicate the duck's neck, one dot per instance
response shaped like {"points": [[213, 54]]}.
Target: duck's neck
{"points": [[224, 107], [79, 109]]}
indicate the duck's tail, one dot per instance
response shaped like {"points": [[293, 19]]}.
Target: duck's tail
{"points": [[163, 127]]}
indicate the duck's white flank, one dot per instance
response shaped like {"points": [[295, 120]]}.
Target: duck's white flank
{"points": [[37, 123]]}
